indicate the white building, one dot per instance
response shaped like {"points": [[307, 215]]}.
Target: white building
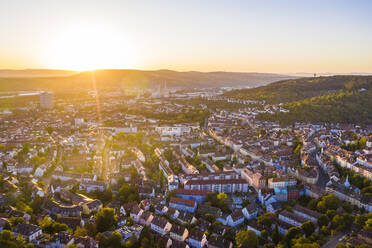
{"points": [[173, 130]]}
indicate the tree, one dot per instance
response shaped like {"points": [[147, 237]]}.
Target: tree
{"points": [[264, 234], [312, 204], [212, 200], [338, 222], [293, 232], [105, 219], [269, 245], [222, 196], [7, 226], [111, 241], [36, 204], [360, 221], [104, 196], [342, 222], [128, 244], [266, 219], [170, 194], [145, 243], [323, 220], [80, 232], [275, 236], [210, 217], [8, 240], [51, 227], [145, 234], [340, 246], [6, 235], [161, 243], [102, 240], [306, 245], [348, 219], [59, 227], [347, 206], [128, 194], [114, 240], [308, 228], [362, 246], [329, 202], [369, 224], [91, 229], [8, 244], [246, 238], [46, 225], [49, 129], [321, 206], [168, 154], [331, 214], [130, 221]]}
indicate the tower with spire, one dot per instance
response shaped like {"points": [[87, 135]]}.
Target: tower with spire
{"points": [[347, 184]]}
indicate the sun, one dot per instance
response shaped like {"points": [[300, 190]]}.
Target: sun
{"points": [[91, 47]]}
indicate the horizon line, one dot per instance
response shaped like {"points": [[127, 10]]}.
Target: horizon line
{"points": [[164, 69]]}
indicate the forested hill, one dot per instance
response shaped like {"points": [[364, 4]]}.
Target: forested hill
{"points": [[352, 107], [34, 73], [122, 78], [337, 99], [302, 88]]}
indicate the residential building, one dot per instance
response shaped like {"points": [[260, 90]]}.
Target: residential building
{"points": [[254, 179], [136, 213], [291, 218], [235, 219], [306, 213], [159, 225], [250, 211], [205, 209], [226, 186], [219, 242], [255, 227], [85, 242], [183, 204], [196, 195], [178, 232], [281, 182], [27, 231], [197, 239], [146, 218]]}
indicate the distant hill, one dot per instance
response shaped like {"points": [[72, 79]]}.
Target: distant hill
{"points": [[126, 78], [339, 99], [34, 73]]}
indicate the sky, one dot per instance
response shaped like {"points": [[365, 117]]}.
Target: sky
{"points": [[279, 36]]}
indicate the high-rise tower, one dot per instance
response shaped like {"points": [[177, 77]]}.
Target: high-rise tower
{"points": [[46, 100]]}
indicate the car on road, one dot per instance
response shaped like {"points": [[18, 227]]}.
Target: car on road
{"points": [[342, 238]]}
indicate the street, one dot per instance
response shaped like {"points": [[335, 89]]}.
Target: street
{"points": [[334, 241]]}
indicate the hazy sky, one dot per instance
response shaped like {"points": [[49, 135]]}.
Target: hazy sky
{"points": [[263, 36]]}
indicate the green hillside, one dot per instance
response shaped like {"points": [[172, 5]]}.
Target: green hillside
{"points": [[338, 99], [343, 107], [302, 88]]}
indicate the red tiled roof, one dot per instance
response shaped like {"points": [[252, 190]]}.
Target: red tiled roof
{"points": [[177, 200], [218, 181], [191, 192]]}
